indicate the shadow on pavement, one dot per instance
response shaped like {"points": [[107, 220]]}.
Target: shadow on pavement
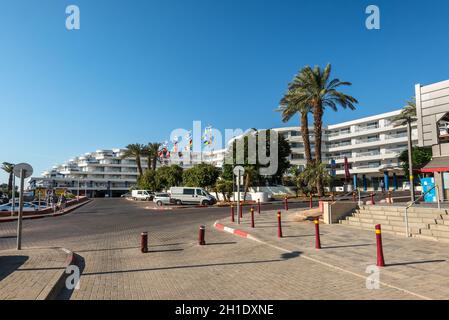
{"points": [[184, 267], [9, 264], [218, 243], [290, 255], [413, 262], [349, 246]]}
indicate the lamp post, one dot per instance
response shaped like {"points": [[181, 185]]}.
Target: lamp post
{"points": [[410, 161]]}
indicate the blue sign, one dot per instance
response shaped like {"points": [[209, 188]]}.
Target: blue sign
{"points": [[428, 188]]}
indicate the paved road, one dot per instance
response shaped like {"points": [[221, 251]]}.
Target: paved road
{"points": [[105, 234]]}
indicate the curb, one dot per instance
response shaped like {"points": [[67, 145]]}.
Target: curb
{"points": [[51, 292], [236, 232], [68, 210]]}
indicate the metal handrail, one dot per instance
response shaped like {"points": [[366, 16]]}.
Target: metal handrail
{"points": [[415, 202]]}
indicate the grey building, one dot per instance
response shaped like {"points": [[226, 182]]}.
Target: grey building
{"points": [[432, 107]]}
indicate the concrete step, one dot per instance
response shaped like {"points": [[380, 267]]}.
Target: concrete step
{"points": [[396, 218]]}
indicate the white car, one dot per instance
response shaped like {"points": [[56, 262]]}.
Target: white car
{"points": [[142, 195], [27, 206], [187, 195], [162, 198]]}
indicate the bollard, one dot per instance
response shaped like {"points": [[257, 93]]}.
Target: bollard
{"points": [[144, 242], [241, 210], [232, 213], [389, 197], [353, 196], [380, 253], [201, 235], [252, 217], [286, 204], [317, 234], [311, 202], [372, 198], [279, 225], [258, 206], [332, 197]]}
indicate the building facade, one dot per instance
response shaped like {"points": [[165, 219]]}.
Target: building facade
{"points": [[432, 108], [371, 145]]}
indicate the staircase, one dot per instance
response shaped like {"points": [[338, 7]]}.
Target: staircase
{"points": [[425, 223]]}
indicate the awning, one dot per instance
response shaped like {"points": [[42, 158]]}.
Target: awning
{"points": [[437, 164]]}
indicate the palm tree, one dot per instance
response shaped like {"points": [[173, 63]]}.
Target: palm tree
{"points": [[313, 175], [407, 117], [292, 104], [152, 153], [313, 88], [135, 150], [8, 168]]}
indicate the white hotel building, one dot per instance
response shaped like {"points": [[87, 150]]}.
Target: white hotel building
{"points": [[372, 146]]}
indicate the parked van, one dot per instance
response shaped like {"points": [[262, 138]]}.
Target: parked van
{"points": [[187, 195], [142, 195]]}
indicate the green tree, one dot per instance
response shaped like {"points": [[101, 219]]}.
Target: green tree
{"points": [[169, 176], [148, 181], [312, 174], [202, 175], [315, 89], [136, 151], [291, 104], [420, 157], [152, 153], [8, 168], [225, 187], [407, 117]]}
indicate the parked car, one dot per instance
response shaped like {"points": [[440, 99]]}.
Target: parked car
{"points": [[126, 195], [187, 195], [162, 198], [42, 204], [27, 206], [142, 195]]}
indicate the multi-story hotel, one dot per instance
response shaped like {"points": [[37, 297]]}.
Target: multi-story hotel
{"points": [[104, 172], [371, 145]]}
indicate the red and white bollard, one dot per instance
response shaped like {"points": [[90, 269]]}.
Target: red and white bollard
{"points": [[144, 242], [252, 217], [317, 234], [241, 210], [279, 225], [258, 206], [286, 204], [372, 198], [353, 196], [201, 236], [380, 252], [232, 213]]}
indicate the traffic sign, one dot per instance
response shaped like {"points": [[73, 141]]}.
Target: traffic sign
{"points": [[239, 170], [28, 170]]}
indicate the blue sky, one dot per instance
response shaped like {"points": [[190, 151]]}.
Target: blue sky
{"points": [[138, 69]]}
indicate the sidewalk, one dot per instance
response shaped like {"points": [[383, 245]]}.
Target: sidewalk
{"points": [[44, 215], [33, 273], [415, 266]]}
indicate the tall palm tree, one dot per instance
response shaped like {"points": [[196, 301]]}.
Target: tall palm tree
{"points": [[407, 117], [8, 168], [153, 154], [314, 88], [292, 104], [135, 150]]}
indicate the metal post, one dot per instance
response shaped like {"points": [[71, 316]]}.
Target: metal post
{"points": [[279, 225], [201, 236], [252, 217], [317, 234], [39, 200], [380, 253], [238, 197], [13, 206], [438, 196], [19, 218], [410, 162], [144, 242], [407, 234]]}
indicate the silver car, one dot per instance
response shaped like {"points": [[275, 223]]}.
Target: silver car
{"points": [[162, 198]]}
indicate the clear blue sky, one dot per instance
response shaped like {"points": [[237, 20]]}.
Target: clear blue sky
{"points": [[138, 69]]}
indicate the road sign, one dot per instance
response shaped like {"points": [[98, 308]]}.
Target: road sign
{"points": [[239, 169], [28, 170]]}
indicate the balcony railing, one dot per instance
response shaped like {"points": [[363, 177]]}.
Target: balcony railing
{"points": [[368, 154], [368, 166], [397, 136], [367, 140], [366, 128]]}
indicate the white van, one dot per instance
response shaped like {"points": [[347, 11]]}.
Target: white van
{"points": [[187, 195], [142, 195]]}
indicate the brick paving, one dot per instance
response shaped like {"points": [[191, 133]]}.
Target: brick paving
{"points": [[415, 265], [30, 274], [105, 234]]}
